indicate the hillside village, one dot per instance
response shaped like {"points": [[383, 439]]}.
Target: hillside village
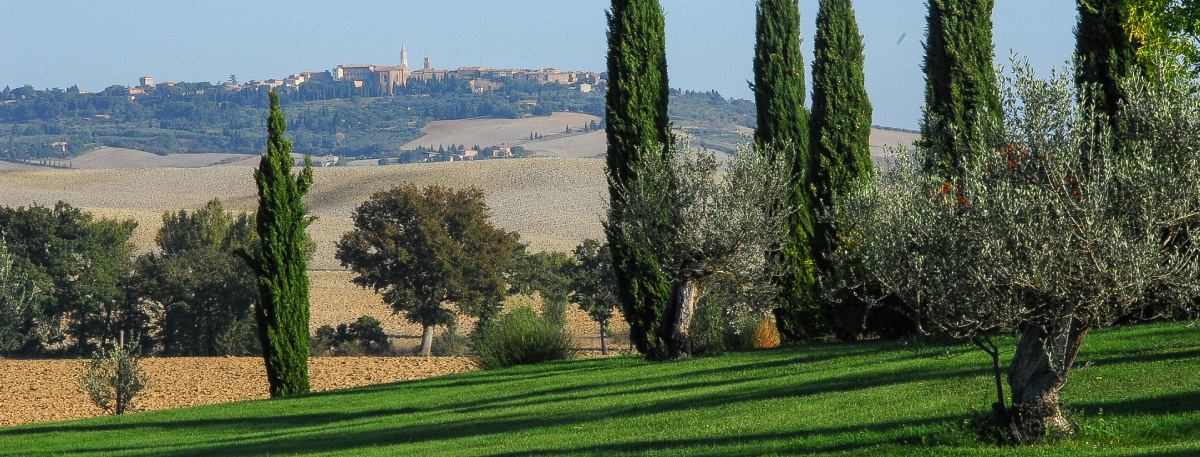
{"points": [[390, 77]]}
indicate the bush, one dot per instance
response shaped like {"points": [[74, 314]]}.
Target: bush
{"points": [[709, 329], [364, 336], [112, 379], [521, 337], [765, 334], [451, 343]]}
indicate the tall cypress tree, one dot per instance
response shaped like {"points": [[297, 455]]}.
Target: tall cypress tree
{"points": [[636, 123], [840, 135], [1105, 52], [962, 101], [783, 132], [280, 265]]}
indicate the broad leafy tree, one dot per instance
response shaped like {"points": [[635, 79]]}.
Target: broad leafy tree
{"points": [[281, 263], [545, 273], [426, 248], [205, 292], [637, 127], [79, 264]]}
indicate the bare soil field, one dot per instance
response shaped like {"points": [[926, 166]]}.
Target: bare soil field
{"points": [[44, 390]]}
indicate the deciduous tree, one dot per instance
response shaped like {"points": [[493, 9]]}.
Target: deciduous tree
{"points": [[425, 248]]}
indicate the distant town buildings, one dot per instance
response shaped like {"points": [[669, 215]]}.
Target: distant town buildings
{"points": [[390, 77]]}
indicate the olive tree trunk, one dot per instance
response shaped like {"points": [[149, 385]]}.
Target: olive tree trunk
{"points": [[1038, 372], [427, 341], [684, 295]]}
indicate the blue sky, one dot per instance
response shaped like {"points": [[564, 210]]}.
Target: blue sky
{"points": [[95, 44]]}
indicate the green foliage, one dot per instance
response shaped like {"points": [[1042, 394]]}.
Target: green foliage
{"points": [[840, 141], [862, 398], [521, 337], [721, 225], [594, 286], [19, 311], [783, 127], [1165, 27], [545, 273], [1105, 53], [113, 378], [425, 248], [281, 264], [81, 264], [636, 125], [1050, 234], [961, 98], [205, 291], [364, 336]]}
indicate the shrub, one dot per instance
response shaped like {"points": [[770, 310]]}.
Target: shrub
{"points": [[521, 337], [709, 329], [112, 379], [765, 334], [364, 336], [451, 343]]}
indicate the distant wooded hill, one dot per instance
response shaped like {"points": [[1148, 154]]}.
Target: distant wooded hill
{"points": [[323, 118]]}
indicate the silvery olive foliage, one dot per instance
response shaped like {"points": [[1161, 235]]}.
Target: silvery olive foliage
{"points": [[1049, 231], [1049, 223], [719, 222]]}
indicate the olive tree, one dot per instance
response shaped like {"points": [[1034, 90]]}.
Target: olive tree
{"points": [[425, 248], [1048, 233], [709, 223]]}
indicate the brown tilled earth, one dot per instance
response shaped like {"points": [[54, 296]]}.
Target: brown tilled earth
{"points": [[44, 390]]}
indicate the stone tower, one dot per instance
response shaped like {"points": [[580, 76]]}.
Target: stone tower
{"points": [[403, 56]]}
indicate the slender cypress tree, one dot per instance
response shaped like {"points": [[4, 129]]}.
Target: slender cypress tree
{"points": [[1105, 53], [636, 123], [281, 266], [962, 101], [840, 135], [783, 132]]}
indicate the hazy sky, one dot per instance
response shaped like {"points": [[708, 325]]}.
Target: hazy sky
{"points": [[95, 44]]}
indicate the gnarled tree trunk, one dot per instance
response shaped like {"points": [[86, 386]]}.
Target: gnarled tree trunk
{"points": [[678, 318], [1037, 373]]}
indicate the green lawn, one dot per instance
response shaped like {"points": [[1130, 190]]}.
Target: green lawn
{"points": [[870, 398]]}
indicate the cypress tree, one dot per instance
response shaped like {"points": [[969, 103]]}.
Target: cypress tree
{"points": [[280, 265], [636, 123], [1105, 53], [840, 129], [783, 132], [962, 101]]}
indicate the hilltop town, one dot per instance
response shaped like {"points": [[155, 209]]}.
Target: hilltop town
{"points": [[389, 78]]}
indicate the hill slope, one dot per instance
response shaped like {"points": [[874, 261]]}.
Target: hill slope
{"points": [[869, 398]]}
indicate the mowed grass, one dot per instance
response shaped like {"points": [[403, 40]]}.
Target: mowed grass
{"points": [[868, 398]]}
